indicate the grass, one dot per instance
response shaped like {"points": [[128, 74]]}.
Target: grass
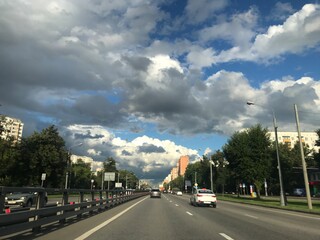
{"points": [[293, 204]]}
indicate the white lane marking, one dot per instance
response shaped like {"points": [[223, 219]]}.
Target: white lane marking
{"points": [[189, 213], [251, 216], [226, 236], [177, 205], [170, 201], [93, 230]]}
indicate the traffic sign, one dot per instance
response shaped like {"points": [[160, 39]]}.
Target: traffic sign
{"points": [[109, 176]]}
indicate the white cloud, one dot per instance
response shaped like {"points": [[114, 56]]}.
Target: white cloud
{"points": [[200, 10], [238, 30], [199, 58], [300, 31]]}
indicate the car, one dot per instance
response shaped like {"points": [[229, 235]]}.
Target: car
{"points": [[203, 197], [155, 193], [179, 193], [23, 199]]}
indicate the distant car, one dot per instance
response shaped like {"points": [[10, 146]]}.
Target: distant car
{"points": [[22, 199], [203, 197], [179, 193], [155, 193]]}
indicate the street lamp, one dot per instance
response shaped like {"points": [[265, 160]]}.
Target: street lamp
{"points": [[282, 201], [92, 181], [211, 181], [68, 162]]}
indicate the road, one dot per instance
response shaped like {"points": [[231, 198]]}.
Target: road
{"points": [[172, 217]]}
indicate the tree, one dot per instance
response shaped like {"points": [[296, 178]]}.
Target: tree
{"points": [[81, 175], [220, 171], [316, 155], [177, 183], [249, 155], [109, 165], [43, 153], [199, 172], [9, 157]]}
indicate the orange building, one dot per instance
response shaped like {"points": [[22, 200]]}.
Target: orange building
{"points": [[174, 173], [182, 165]]}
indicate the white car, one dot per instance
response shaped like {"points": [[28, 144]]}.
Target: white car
{"points": [[203, 197], [179, 193]]}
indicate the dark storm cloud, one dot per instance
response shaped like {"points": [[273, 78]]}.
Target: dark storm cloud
{"points": [[126, 153], [87, 136], [137, 63], [149, 148]]}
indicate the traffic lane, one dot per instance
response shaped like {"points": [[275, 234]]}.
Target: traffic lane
{"points": [[73, 228], [158, 219], [252, 222]]}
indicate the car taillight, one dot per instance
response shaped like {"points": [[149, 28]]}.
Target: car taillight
{"points": [[199, 195]]}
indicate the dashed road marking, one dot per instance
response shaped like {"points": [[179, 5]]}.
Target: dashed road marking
{"points": [[177, 205], [226, 236], [251, 216], [189, 213]]}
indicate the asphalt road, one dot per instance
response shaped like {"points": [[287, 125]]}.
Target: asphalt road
{"points": [[172, 217]]}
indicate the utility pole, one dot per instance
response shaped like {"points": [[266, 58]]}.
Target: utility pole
{"points": [[282, 200], [304, 167]]}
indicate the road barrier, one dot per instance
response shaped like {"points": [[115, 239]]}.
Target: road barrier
{"points": [[19, 219]]}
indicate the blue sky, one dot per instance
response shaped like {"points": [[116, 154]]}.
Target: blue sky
{"points": [[148, 81]]}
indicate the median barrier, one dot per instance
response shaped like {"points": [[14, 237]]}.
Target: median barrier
{"points": [[27, 219]]}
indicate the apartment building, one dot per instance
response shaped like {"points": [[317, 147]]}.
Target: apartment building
{"points": [[182, 165], [291, 138], [11, 128], [174, 173]]}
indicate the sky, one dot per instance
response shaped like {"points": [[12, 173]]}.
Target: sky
{"points": [[146, 82]]}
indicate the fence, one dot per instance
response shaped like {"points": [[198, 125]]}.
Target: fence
{"points": [[44, 211]]}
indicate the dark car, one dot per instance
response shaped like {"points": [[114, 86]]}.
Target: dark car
{"points": [[22, 199], [155, 193]]}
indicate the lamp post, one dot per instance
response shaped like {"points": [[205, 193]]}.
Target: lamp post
{"points": [[92, 181], [68, 163], [282, 200], [211, 181]]}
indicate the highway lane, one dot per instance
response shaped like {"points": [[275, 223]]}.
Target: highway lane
{"points": [[172, 217]]}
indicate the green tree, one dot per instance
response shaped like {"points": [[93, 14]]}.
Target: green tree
{"points": [[249, 155], [109, 165], [9, 156], [220, 171], [128, 179], [43, 153], [199, 172], [177, 183], [81, 175]]}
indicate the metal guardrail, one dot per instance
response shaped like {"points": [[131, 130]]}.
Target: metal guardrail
{"points": [[14, 220]]}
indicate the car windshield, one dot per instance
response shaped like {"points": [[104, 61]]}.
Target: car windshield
{"points": [[155, 190]]}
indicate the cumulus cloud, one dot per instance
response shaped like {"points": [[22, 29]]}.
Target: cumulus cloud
{"points": [[300, 31], [97, 67]]}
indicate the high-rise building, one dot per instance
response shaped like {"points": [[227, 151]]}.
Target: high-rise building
{"points": [[182, 165], [10, 128], [174, 173]]}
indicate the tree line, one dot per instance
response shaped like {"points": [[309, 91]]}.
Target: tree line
{"points": [[249, 158], [22, 164]]}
